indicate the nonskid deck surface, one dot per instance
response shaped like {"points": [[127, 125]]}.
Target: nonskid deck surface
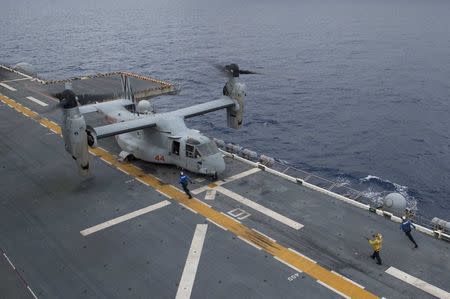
{"points": [[90, 88], [128, 231]]}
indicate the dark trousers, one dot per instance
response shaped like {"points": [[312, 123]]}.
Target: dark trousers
{"points": [[185, 188], [376, 255], [411, 237]]}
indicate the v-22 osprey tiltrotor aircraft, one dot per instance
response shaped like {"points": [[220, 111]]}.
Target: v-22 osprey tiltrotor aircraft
{"points": [[154, 137]]}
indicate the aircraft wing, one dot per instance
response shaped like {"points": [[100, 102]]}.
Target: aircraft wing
{"points": [[105, 106], [124, 127], [224, 102]]}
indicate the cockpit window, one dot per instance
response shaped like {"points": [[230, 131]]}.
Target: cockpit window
{"points": [[207, 149], [189, 151], [192, 141]]}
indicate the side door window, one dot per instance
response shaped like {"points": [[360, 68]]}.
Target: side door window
{"points": [[176, 148]]}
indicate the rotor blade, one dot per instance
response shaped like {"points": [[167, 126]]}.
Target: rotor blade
{"points": [[225, 69], [247, 72], [222, 69], [55, 107]]}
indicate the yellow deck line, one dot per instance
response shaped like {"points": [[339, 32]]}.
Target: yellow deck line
{"points": [[283, 253]]}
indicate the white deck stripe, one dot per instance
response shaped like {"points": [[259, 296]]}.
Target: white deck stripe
{"points": [[348, 279], [8, 87], [123, 218], [32, 293], [199, 190], [216, 224], [418, 283], [204, 204], [193, 258], [333, 289], [37, 101], [9, 261], [302, 255], [287, 264], [106, 161], [227, 180], [124, 171], [260, 208], [239, 176], [163, 194], [137, 179], [188, 208]]}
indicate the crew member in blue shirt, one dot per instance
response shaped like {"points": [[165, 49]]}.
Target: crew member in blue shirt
{"points": [[406, 227], [184, 180]]}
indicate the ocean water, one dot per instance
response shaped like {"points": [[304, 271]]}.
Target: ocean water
{"points": [[356, 91]]}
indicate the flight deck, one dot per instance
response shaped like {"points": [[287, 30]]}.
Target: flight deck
{"points": [[128, 230]]}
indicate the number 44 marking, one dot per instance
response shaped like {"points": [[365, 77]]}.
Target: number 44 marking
{"points": [[159, 158]]}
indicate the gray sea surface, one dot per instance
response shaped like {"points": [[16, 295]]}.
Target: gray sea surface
{"points": [[356, 91]]}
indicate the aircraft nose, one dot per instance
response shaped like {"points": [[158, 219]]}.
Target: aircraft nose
{"points": [[220, 166], [216, 163]]}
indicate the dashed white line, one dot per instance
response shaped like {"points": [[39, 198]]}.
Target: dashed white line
{"points": [[126, 172], [192, 261], [188, 208], [123, 218], [268, 212], [37, 101], [32, 293], [106, 161], [287, 264], [163, 194], [205, 204], [8, 87], [333, 289], [216, 224], [302, 255], [249, 243], [418, 283], [9, 261], [348, 279], [142, 181]]}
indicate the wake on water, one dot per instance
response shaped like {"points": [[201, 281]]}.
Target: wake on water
{"points": [[376, 188]]}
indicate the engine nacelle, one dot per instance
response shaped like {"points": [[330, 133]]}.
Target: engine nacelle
{"points": [[75, 138], [236, 91]]}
